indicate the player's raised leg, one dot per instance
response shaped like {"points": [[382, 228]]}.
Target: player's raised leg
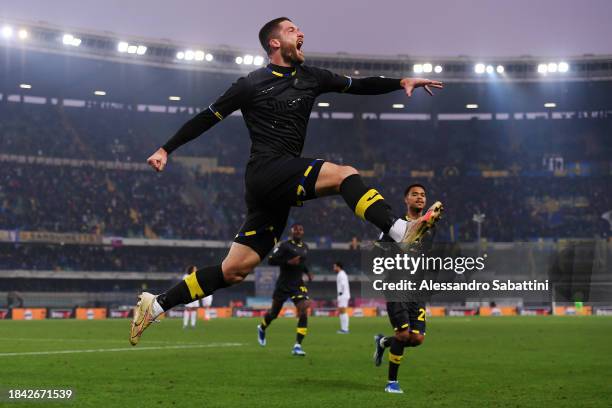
{"points": [[238, 263], [368, 204]]}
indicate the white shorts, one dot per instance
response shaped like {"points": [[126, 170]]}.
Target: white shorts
{"points": [[343, 301]]}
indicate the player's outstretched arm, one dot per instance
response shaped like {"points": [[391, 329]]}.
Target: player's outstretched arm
{"points": [[379, 86], [234, 98], [331, 82]]}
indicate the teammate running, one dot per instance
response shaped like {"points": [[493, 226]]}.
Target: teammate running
{"points": [[407, 318], [291, 257]]}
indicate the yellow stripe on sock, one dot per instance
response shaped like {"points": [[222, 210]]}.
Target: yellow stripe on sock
{"points": [[195, 290], [302, 330], [366, 201], [395, 358]]}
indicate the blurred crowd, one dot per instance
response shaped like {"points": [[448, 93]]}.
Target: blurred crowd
{"points": [[528, 202]]}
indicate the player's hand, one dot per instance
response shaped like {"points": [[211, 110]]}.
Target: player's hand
{"points": [[294, 261], [410, 84], [158, 159]]}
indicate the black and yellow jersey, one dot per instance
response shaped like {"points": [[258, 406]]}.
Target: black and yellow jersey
{"points": [[291, 276]]}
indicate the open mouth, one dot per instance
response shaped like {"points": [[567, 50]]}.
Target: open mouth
{"points": [[299, 45]]}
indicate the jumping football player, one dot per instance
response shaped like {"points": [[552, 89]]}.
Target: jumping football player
{"points": [[407, 318], [291, 257], [276, 101]]}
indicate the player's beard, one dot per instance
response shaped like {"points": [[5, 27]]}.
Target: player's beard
{"points": [[290, 54]]}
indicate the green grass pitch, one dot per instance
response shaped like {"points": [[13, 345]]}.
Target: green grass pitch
{"points": [[464, 362]]}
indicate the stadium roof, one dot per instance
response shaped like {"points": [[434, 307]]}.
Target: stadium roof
{"points": [[88, 43], [477, 28]]}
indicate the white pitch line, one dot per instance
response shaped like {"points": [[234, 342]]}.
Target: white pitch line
{"points": [[111, 350], [89, 340]]}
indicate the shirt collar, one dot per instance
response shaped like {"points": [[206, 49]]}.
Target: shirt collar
{"points": [[282, 72]]}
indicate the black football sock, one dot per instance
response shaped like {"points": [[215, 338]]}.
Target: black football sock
{"points": [[367, 203], [271, 314], [302, 328], [197, 285], [396, 353], [265, 322]]}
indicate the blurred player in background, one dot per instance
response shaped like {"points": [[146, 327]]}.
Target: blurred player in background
{"points": [[206, 305], [291, 257], [407, 318], [344, 295]]}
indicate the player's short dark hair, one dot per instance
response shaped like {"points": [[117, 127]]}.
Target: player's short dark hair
{"points": [[410, 187], [191, 269], [339, 264], [295, 224], [268, 30]]}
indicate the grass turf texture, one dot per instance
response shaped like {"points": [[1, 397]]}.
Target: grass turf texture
{"points": [[507, 361]]}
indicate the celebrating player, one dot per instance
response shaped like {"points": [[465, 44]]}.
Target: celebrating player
{"points": [[344, 295], [276, 101], [291, 257], [407, 318]]}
